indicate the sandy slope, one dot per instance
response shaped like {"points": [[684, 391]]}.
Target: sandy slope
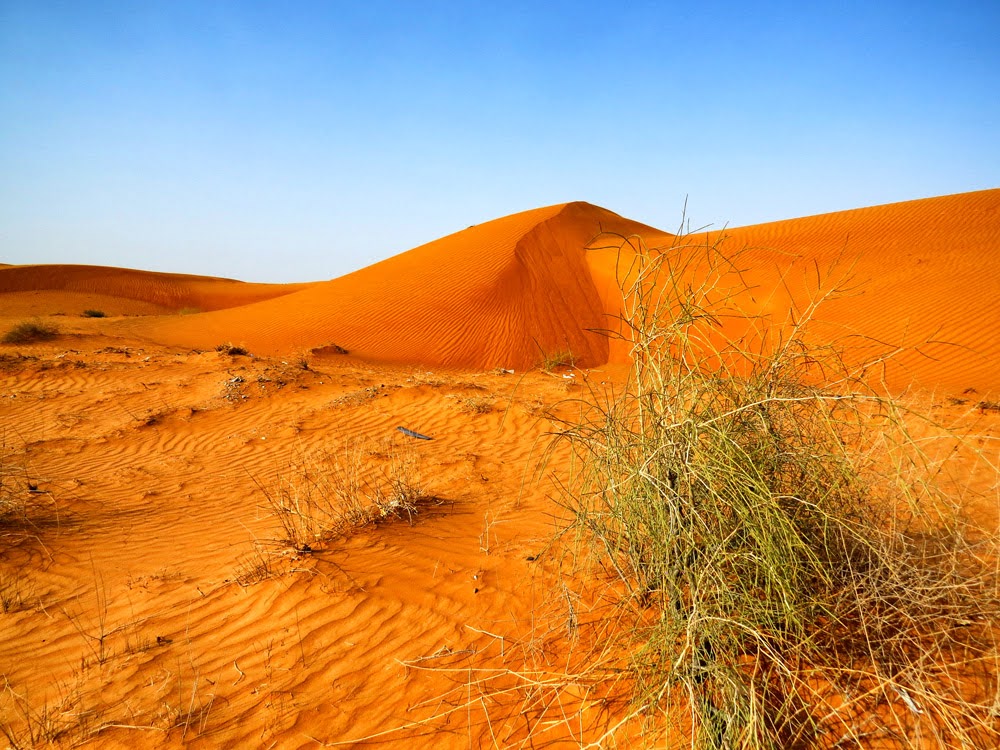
{"points": [[167, 292], [500, 294], [148, 600], [512, 291], [152, 467], [919, 274]]}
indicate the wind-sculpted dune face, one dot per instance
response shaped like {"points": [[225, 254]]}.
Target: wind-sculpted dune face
{"points": [[507, 293], [165, 292], [918, 275]]}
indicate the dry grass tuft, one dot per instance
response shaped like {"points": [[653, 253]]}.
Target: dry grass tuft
{"points": [[555, 360], [477, 405], [30, 331], [327, 496]]}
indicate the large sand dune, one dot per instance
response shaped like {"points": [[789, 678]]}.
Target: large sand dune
{"points": [[509, 292], [501, 294]]}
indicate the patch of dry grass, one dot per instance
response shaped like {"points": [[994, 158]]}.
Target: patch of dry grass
{"points": [[326, 496], [30, 331]]}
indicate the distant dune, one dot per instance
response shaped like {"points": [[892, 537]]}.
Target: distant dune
{"points": [[511, 291], [165, 292]]}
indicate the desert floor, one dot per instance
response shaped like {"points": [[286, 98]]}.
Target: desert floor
{"points": [[151, 595]]}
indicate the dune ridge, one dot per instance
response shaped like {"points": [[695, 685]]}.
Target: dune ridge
{"points": [[505, 293], [516, 290], [169, 291]]}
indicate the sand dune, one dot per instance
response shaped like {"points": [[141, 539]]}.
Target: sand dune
{"points": [[500, 294], [509, 292], [167, 292], [512, 291], [919, 275]]}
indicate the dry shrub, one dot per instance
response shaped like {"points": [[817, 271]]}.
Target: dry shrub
{"points": [[792, 573], [554, 360], [325, 496], [30, 331], [232, 350]]}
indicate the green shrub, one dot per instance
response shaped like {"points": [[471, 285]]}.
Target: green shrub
{"points": [[794, 575], [29, 332]]}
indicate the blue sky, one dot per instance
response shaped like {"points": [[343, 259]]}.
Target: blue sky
{"points": [[299, 141]]}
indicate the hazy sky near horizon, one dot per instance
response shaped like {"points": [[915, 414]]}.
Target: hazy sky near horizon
{"points": [[301, 141]]}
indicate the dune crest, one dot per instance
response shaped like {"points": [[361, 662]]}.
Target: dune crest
{"points": [[169, 292], [505, 293]]}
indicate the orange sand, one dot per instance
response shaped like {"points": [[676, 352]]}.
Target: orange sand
{"points": [[134, 618]]}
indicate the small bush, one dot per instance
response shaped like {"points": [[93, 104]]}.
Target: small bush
{"points": [[796, 576], [477, 405], [29, 332], [93, 313], [232, 350]]}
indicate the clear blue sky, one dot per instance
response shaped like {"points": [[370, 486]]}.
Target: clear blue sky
{"points": [[299, 141]]}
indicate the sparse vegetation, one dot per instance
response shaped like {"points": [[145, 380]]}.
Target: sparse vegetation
{"points": [[232, 350], [254, 567], [13, 594], [22, 504], [16, 592], [29, 332], [25, 724], [477, 405], [792, 572], [555, 360], [326, 496], [93, 313], [12, 503]]}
